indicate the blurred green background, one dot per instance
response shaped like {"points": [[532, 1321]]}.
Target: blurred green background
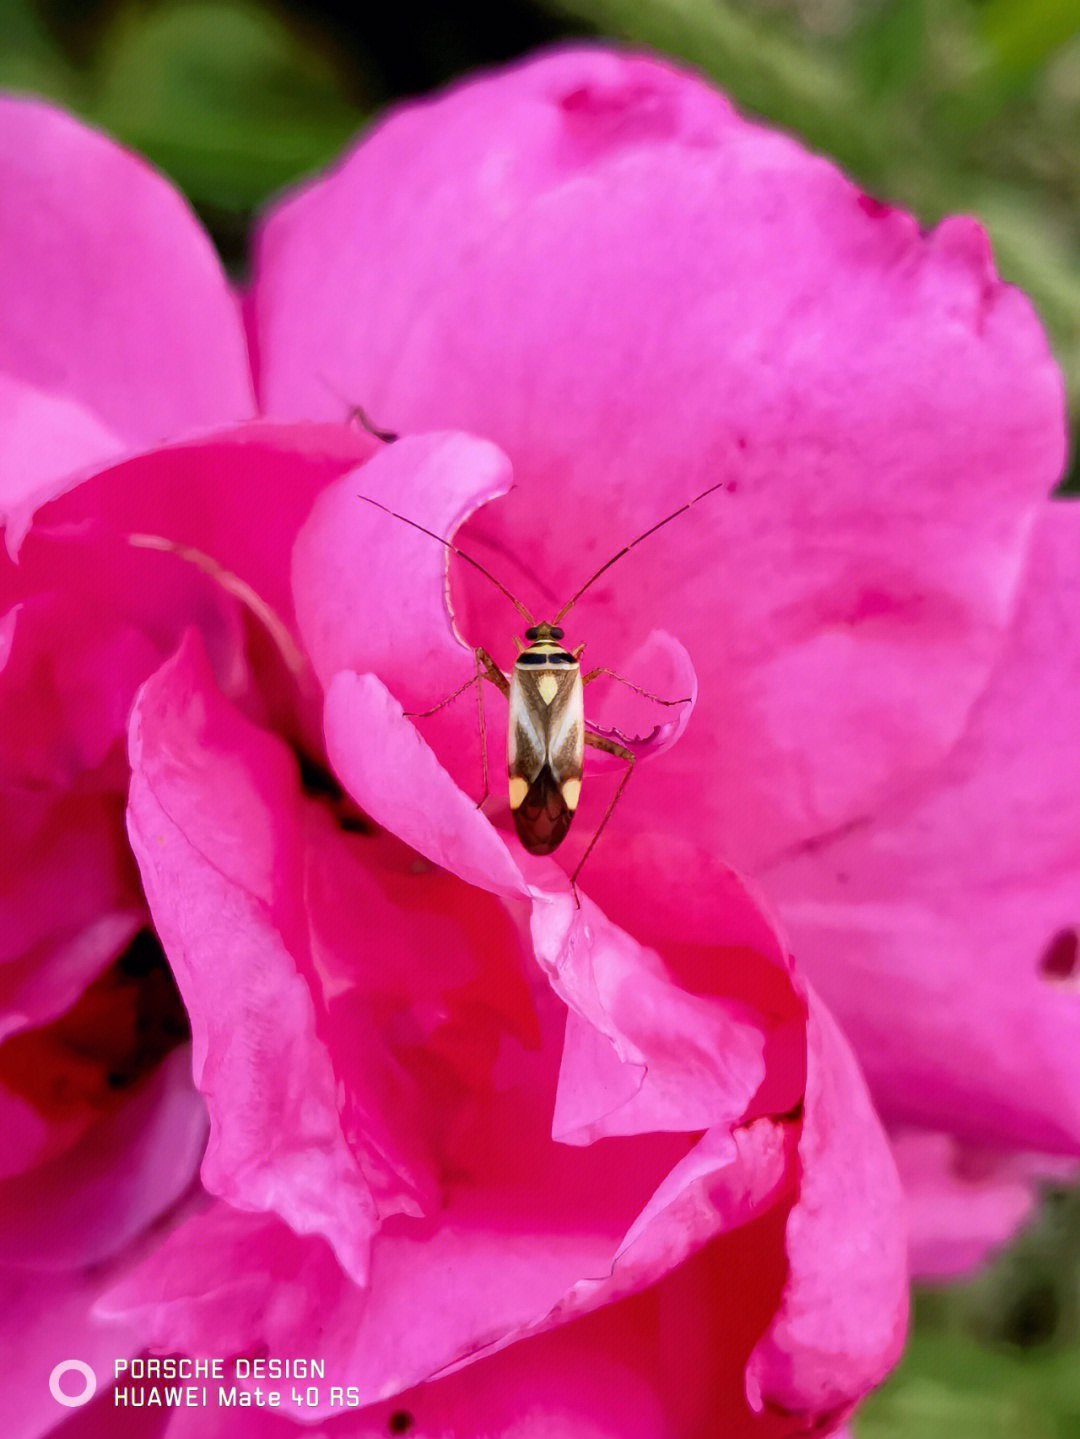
{"points": [[941, 106]]}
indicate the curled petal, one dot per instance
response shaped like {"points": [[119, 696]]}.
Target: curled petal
{"points": [[662, 666], [213, 820], [370, 591], [842, 1320], [394, 777]]}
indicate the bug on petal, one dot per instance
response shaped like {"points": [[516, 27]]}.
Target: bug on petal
{"points": [[546, 730]]}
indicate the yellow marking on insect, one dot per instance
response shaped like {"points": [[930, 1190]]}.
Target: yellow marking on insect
{"points": [[571, 789], [548, 686], [519, 788]]}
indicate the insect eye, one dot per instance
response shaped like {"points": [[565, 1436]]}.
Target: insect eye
{"points": [[532, 633], [556, 632]]}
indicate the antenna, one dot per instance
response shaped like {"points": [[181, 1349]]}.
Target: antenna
{"points": [[454, 550], [720, 484]]}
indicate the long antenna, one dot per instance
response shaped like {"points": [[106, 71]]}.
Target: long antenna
{"points": [[454, 550], [720, 484]]}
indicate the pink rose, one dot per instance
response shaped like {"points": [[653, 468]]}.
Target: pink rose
{"points": [[882, 618], [506, 1165]]}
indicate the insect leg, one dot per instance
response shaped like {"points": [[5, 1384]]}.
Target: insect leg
{"points": [[423, 714], [486, 668], [620, 752], [594, 674], [362, 417]]}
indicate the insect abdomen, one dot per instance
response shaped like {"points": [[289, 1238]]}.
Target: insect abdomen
{"points": [[545, 744], [543, 816]]}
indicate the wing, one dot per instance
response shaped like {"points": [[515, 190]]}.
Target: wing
{"points": [[545, 749]]}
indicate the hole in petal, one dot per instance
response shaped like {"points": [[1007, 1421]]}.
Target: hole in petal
{"points": [[400, 1422], [121, 1027], [1061, 957]]}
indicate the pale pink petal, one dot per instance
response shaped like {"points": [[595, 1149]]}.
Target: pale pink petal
{"points": [[370, 591], [46, 438], [116, 318], [841, 1323], [885, 411], [213, 818], [394, 777], [962, 1205], [943, 933]]}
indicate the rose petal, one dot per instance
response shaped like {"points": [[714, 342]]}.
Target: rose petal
{"points": [[125, 1171], [643, 1053], [44, 1319], [47, 437], [962, 1205], [201, 497], [842, 1320], [369, 590], [632, 720], [118, 323], [929, 928], [863, 370], [213, 819], [69, 901], [394, 777]]}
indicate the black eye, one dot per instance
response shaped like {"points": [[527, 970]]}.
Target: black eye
{"points": [[532, 633], [556, 632]]}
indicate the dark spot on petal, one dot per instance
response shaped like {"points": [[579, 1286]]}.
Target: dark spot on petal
{"points": [[875, 208], [400, 1422], [1061, 957], [608, 114]]}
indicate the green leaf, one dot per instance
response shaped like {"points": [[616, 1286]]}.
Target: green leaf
{"points": [[225, 97], [30, 62]]}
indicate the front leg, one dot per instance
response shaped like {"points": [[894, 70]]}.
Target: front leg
{"points": [[486, 669], [595, 674]]}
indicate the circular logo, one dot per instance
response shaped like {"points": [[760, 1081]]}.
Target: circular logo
{"points": [[72, 1366]]}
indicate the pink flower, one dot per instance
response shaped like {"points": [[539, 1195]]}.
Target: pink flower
{"points": [[507, 1165], [882, 617]]}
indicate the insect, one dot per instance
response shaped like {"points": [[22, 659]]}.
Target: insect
{"points": [[546, 730]]}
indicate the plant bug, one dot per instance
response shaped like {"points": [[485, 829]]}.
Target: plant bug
{"points": [[546, 730]]}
